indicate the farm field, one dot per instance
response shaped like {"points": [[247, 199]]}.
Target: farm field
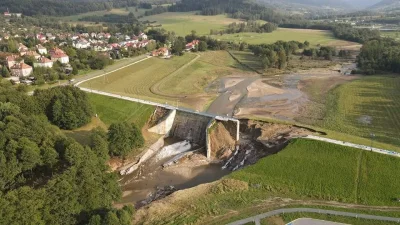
{"points": [[111, 110], [344, 174], [179, 78], [365, 106], [182, 23], [391, 34], [315, 37]]}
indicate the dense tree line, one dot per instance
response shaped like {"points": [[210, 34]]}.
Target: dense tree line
{"points": [[341, 31], [61, 8], [111, 18], [324, 52], [47, 178], [156, 10], [276, 55], [379, 55], [250, 26], [235, 8], [67, 107]]}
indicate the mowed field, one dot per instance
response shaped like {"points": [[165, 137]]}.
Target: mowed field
{"points": [[315, 37], [112, 110], [165, 80], [119, 11], [317, 170], [182, 23], [366, 106]]}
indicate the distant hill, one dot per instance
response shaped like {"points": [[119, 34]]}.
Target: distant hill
{"points": [[386, 5], [311, 3]]}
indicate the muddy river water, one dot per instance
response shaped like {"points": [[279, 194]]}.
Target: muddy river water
{"points": [[138, 185]]}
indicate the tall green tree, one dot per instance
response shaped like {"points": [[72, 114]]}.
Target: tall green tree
{"points": [[123, 138]]}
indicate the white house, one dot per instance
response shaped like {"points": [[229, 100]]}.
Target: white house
{"points": [[82, 43], [143, 36], [61, 57], [43, 62], [12, 60], [42, 50], [22, 48], [21, 70]]}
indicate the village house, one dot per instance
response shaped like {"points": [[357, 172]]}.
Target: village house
{"points": [[43, 62], [59, 55], [31, 53], [161, 52], [12, 60], [107, 35], [21, 70], [22, 48], [42, 50], [192, 45], [81, 44], [93, 35], [142, 36]]}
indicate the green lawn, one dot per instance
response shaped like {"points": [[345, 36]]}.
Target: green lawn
{"points": [[317, 170], [282, 34], [289, 217], [111, 110], [120, 11], [182, 23], [365, 106]]}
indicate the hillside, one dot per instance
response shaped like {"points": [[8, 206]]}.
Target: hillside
{"points": [[386, 5]]}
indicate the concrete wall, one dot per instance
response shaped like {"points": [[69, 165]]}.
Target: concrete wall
{"points": [[190, 126], [165, 125]]}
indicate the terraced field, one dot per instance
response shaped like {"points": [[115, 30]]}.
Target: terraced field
{"points": [[366, 106], [111, 110]]}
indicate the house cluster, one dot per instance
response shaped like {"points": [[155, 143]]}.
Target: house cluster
{"points": [[19, 69], [8, 14], [164, 52], [99, 41]]}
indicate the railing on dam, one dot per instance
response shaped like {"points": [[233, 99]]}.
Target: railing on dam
{"points": [[217, 117]]}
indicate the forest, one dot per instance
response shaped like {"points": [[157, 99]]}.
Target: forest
{"points": [[61, 8], [379, 56], [48, 178], [249, 26]]}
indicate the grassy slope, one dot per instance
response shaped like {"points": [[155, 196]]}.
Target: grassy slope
{"points": [[182, 23], [326, 171], [375, 97], [177, 77], [136, 80], [305, 170], [313, 36], [347, 220], [111, 110]]}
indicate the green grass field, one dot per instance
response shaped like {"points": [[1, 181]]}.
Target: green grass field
{"points": [[120, 11], [289, 217], [365, 106], [111, 110], [182, 23], [304, 171], [160, 80], [317, 170], [282, 34], [391, 34]]}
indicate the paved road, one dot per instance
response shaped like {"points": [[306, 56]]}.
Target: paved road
{"points": [[362, 147], [256, 219]]}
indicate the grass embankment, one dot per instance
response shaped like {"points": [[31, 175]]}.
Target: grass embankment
{"points": [[306, 170], [158, 79], [289, 217], [315, 37], [182, 23], [112, 110], [365, 106]]}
